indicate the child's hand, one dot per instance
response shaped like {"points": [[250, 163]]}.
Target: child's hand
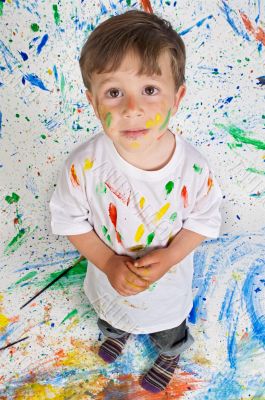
{"points": [[152, 266], [122, 279]]}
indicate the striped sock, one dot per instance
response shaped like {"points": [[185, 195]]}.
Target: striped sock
{"points": [[111, 348], [159, 376]]}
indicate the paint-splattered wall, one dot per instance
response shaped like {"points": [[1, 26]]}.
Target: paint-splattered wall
{"points": [[43, 116]]}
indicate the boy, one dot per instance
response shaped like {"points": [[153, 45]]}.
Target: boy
{"points": [[137, 191]]}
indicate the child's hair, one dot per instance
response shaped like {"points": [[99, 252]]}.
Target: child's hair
{"points": [[146, 34]]}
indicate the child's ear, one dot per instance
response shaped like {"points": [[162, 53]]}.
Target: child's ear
{"points": [[178, 97], [92, 101]]}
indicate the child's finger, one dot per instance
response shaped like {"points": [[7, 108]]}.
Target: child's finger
{"points": [[143, 272]]}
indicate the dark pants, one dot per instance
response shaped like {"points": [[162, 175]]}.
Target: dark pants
{"points": [[169, 342]]}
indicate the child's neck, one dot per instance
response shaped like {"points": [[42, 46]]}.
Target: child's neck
{"points": [[156, 160]]}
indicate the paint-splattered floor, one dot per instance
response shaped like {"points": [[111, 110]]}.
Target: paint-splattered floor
{"points": [[59, 359]]}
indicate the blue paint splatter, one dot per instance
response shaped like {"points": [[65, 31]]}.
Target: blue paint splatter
{"points": [[34, 80], [231, 16], [23, 55], [198, 24], [42, 43]]}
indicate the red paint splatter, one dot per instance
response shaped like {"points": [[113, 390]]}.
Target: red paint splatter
{"points": [[184, 195], [258, 33], [122, 197], [73, 176], [147, 6], [113, 214]]}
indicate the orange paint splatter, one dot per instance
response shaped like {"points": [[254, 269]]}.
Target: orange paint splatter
{"points": [[258, 33], [113, 214], [73, 176], [209, 184], [184, 195], [147, 6]]}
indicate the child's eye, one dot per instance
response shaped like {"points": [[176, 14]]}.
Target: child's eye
{"points": [[150, 90], [113, 92]]}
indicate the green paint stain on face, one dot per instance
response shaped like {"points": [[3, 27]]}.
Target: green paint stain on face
{"points": [[35, 27], [169, 187], [256, 171], [75, 276], [173, 216], [26, 277], [13, 198], [240, 136], [166, 121], [108, 119], [150, 238], [197, 168], [70, 315], [56, 15], [101, 188]]}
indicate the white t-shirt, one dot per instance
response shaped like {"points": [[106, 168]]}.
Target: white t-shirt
{"points": [[135, 211]]}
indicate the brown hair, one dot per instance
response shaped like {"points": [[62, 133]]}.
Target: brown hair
{"points": [[146, 34]]}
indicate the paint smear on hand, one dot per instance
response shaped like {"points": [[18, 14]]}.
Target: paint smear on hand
{"points": [[161, 212], [73, 176], [139, 233], [184, 195]]}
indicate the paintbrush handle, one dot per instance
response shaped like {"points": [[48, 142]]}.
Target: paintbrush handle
{"points": [[12, 344], [53, 281]]}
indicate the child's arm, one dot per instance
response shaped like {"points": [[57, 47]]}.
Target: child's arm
{"points": [[124, 281]]}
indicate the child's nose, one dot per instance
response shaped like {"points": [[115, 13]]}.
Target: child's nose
{"points": [[132, 107]]}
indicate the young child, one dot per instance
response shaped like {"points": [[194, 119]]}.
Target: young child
{"points": [[137, 191]]}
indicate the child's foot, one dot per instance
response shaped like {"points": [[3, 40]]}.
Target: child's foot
{"points": [[112, 348], [159, 376]]}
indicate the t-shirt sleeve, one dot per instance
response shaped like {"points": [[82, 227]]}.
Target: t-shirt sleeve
{"points": [[204, 217], [69, 205]]}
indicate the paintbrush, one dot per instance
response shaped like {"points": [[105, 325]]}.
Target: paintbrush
{"points": [[12, 344], [53, 281]]}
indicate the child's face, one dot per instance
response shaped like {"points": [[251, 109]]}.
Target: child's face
{"points": [[135, 109]]}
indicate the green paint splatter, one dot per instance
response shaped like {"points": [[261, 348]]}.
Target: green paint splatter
{"points": [[197, 168], [240, 136], [35, 27], [101, 188], [26, 277], [169, 187], [166, 121], [128, 3], [105, 232], [233, 145], [152, 287], [173, 216], [62, 83], [256, 171], [1, 8], [75, 276], [56, 14], [43, 136], [211, 133], [18, 240], [13, 198], [150, 238], [70, 315], [108, 119]]}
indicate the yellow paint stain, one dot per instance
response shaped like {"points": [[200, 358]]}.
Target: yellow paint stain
{"points": [[80, 358], [153, 122], [161, 212], [139, 233], [4, 321], [49, 71], [73, 324], [136, 248], [135, 145], [237, 276], [1, 298], [94, 385], [88, 164], [198, 359], [142, 201]]}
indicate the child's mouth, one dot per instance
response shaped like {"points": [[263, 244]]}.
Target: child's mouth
{"points": [[133, 133]]}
